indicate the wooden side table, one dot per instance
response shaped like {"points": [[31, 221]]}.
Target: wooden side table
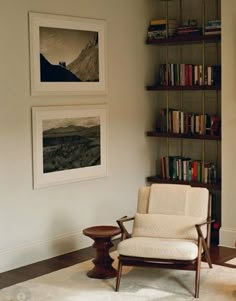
{"points": [[102, 236]]}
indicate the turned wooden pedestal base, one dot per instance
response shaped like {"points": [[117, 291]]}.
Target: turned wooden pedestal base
{"points": [[102, 236]]}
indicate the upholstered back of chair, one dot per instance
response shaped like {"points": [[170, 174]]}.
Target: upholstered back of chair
{"points": [[170, 211]]}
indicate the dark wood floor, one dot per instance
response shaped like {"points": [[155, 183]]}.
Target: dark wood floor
{"points": [[219, 256]]}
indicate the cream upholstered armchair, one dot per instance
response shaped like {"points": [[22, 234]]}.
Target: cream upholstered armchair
{"points": [[171, 229]]}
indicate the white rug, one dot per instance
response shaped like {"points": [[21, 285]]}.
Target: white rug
{"points": [[137, 284], [231, 261]]}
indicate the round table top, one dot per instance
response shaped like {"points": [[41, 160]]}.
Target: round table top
{"points": [[102, 231]]}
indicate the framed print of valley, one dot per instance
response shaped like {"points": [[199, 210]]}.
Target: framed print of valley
{"points": [[67, 55], [69, 144]]}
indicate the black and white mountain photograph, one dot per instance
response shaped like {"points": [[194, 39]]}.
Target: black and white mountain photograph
{"points": [[70, 143], [68, 55]]}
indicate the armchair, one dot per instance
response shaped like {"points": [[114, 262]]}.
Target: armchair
{"points": [[171, 229]]}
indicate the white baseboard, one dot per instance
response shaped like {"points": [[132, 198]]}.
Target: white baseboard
{"points": [[227, 237], [30, 253]]}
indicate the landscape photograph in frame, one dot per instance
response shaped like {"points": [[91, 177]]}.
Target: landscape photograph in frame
{"points": [[69, 144], [67, 55]]}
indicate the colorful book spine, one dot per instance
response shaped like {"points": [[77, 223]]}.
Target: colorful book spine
{"points": [[188, 75], [180, 122], [185, 169]]}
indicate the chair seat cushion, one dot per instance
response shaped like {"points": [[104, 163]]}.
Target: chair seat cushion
{"points": [[161, 248]]}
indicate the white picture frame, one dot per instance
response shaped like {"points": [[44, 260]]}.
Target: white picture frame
{"points": [[69, 144], [58, 66]]}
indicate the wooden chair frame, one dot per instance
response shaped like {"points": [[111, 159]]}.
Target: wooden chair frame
{"points": [[195, 265]]}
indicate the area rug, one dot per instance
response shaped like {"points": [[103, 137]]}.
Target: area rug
{"points": [[231, 261], [137, 284]]}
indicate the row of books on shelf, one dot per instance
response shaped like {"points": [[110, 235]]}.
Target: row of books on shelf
{"points": [[180, 122], [189, 27], [186, 169], [189, 75], [162, 28]]}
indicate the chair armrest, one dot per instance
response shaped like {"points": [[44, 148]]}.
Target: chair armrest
{"points": [[124, 233], [198, 226], [205, 223], [205, 243]]}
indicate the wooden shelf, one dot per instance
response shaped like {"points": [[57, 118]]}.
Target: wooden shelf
{"points": [[182, 136], [210, 186], [185, 39], [181, 88]]}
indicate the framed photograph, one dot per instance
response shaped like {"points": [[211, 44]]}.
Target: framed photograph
{"points": [[69, 144], [67, 55]]}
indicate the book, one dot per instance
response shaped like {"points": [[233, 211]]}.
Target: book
{"points": [[215, 125], [208, 125], [213, 23], [161, 34], [163, 21], [188, 31], [214, 32], [216, 74], [200, 75], [161, 27], [211, 28], [209, 75], [195, 170], [182, 30], [175, 119], [186, 165], [163, 167], [167, 168]]}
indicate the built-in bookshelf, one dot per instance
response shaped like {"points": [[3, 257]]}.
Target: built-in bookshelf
{"points": [[187, 80]]}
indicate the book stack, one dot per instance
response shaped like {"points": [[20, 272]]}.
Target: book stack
{"points": [[189, 27], [213, 27], [162, 28]]}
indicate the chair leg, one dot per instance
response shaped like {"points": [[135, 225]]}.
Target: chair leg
{"points": [[198, 269], [119, 272], [197, 281]]}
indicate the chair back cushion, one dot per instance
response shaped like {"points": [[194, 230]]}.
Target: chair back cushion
{"points": [[168, 199], [170, 211]]}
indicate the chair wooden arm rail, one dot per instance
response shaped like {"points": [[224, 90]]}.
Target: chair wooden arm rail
{"points": [[205, 223], [124, 233], [198, 227]]}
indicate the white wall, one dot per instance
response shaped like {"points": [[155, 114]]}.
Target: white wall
{"points": [[228, 230], [38, 224]]}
